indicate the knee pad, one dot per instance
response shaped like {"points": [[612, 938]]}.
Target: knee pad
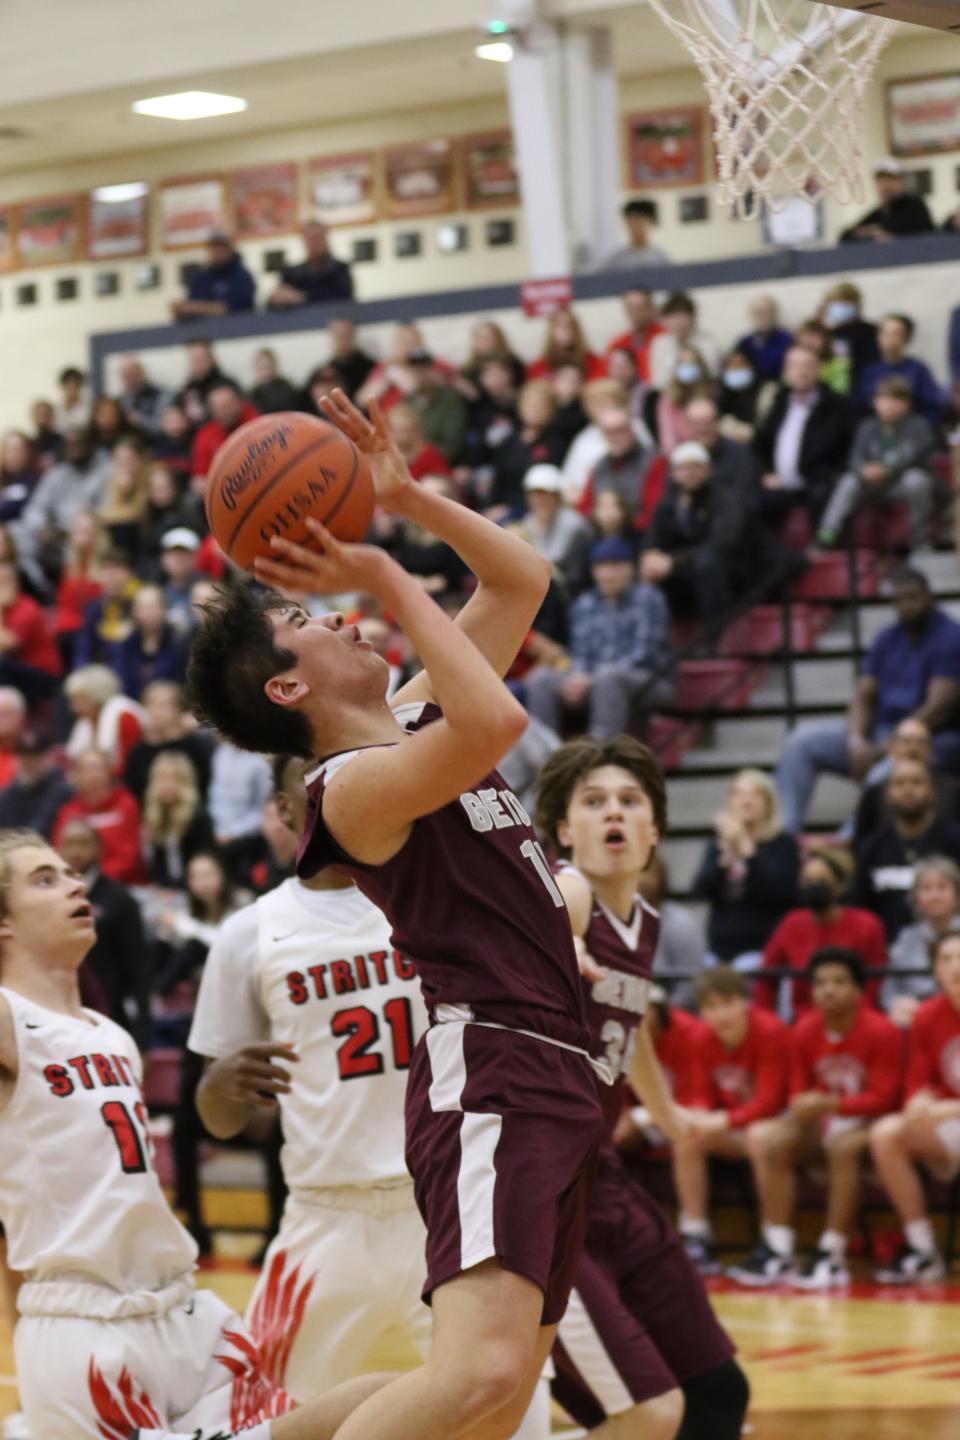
{"points": [[716, 1404]]}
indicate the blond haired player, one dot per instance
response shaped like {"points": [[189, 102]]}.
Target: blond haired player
{"points": [[112, 1334]]}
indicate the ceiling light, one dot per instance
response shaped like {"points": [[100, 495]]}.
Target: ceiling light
{"points": [[499, 50], [117, 194], [189, 105]]}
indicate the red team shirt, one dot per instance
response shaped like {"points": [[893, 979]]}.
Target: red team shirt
{"points": [[675, 1046], [800, 934], [750, 1082], [933, 1050], [864, 1067]]}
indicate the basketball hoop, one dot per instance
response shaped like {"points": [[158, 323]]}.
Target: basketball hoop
{"points": [[787, 82]]}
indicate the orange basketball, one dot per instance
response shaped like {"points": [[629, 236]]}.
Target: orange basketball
{"points": [[277, 471]]}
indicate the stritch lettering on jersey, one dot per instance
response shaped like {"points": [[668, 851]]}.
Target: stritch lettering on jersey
{"points": [[493, 809], [343, 977], [89, 1072], [622, 992]]}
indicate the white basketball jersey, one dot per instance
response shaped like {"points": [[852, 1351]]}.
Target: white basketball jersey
{"points": [[79, 1197], [316, 968]]}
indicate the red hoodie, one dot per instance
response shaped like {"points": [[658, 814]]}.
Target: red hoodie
{"points": [[749, 1082], [864, 1067], [116, 820]]}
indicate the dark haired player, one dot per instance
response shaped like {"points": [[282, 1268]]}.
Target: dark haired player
{"points": [[640, 1352], [502, 1113]]}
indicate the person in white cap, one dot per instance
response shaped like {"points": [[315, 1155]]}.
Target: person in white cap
{"points": [[179, 548], [553, 527], [899, 212]]}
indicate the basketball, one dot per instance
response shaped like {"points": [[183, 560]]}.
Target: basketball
{"points": [[278, 471]]}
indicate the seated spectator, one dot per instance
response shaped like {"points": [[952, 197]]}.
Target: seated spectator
{"points": [[610, 519], [73, 411], [620, 651], [731, 463], [822, 921], [167, 727], [32, 579], [591, 445], [741, 1071], [488, 342], [639, 217], [570, 417], [79, 580], [351, 364], [203, 376], [804, 442], [240, 786], [321, 382], [565, 345], [553, 527], [912, 669], [681, 949], [173, 447], [893, 339], [178, 559], [318, 279], [18, 474], [436, 565], [748, 872], [46, 439], [176, 827], [701, 547], [689, 380], [835, 370], [153, 650], [110, 809], [104, 719], [492, 417], [106, 620], [228, 411], [935, 899], [926, 1132], [142, 402], [77, 482], [898, 213], [910, 740], [641, 311], [890, 460], [766, 343], [391, 380], [845, 1072], [678, 316], [536, 442], [421, 457], [108, 426], [124, 509], [852, 338], [32, 799], [622, 370], [119, 958], [624, 467], [224, 286], [441, 411], [13, 723], [886, 858], [29, 656], [271, 391], [744, 397], [165, 511]]}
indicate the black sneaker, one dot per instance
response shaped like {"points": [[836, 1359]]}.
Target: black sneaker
{"points": [[701, 1254], [823, 1271], [912, 1267], [761, 1267]]}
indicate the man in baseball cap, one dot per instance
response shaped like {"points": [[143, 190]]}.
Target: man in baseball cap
{"points": [[899, 212], [224, 286]]}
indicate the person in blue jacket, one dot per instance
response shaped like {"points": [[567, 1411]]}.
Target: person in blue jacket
{"points": [[224, 286]]}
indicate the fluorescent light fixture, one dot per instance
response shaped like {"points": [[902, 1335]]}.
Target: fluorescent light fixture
{"points": [[117, 194], [499, 50], [189, 105]]}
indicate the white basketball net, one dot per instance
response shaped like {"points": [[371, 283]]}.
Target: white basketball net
{"points": [[787, 80]]}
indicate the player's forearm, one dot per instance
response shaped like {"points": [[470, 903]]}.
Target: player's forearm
{"points": [[501, 561], [223, 1118], [649, 1082]]}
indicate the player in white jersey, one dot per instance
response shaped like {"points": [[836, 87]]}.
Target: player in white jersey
{"points": [[112, 1334], [307, 977]]}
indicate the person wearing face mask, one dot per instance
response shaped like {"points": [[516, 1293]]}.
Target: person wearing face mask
{"points": [[745, 396], [822, 920], [690, 380], [681, 331], [852, 338]]}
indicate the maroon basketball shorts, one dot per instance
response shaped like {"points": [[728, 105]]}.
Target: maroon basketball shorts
{"points": [[502, 1132], [639, 1322]]}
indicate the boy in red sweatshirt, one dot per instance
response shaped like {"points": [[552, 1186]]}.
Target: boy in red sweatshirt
{"points": [[740, 1060], [846, 1071], [927, 1131]]}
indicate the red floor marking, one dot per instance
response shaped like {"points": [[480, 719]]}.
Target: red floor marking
{"points": [[925, 1362], [947, 1375], [785, 1353]]}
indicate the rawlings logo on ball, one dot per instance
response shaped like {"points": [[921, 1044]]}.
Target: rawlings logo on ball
{"points": [[251, 467]]}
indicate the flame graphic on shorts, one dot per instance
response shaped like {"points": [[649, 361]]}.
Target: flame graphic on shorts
{"points": [[278, 1314], [255, 1397], [122, 1409]]}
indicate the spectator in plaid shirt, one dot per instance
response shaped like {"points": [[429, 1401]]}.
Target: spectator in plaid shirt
{"points": [[620, 646]]}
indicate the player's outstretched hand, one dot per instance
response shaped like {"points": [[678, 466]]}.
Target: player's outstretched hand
{"points": [[333, 567], [250, 1076], [391, 478]]}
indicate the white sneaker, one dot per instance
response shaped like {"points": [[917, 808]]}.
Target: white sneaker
{"points": [[15, 1427], [823, 1272], [913, 1267]]}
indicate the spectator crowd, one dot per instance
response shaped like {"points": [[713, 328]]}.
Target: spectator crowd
{"points": [[669, 477]]}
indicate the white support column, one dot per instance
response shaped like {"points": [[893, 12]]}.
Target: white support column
{"points": [[534, 110], [592, 152]]}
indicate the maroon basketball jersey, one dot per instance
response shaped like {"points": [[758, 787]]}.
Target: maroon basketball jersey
{"points": [[472, 902], [617, 1003]]}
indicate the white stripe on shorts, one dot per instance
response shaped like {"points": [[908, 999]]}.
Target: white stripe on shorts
{"points": [[448, 1066], [479, 1137], [578, 1336]]}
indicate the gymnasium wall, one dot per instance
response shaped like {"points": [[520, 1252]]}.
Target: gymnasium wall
{"points": [[41, 338]]}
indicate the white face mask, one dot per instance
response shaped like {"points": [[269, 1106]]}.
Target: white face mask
{"points": [[840, 312], [738, 379], [687, 372]]}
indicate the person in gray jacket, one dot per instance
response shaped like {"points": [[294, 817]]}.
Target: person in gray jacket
{"points": [[77, 482], [936, 904], [889, 461]]}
